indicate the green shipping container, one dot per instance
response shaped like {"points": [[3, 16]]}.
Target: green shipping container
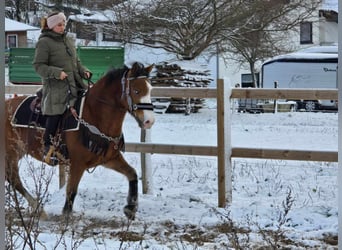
{"points": [[20, 69], [98, 59]]}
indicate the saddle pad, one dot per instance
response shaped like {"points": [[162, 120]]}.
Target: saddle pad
{"points": [[26, 118]]}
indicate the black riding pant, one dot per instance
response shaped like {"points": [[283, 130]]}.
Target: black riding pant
{"points": [[51, 126]]}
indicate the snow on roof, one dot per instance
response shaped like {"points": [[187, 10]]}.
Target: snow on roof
{"points": [[330, 5], [103, 16], [306, 55], [317, 53], [11, 25]]}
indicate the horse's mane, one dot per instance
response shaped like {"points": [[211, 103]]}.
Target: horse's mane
{"points": [[115, 73], [137, 70]]}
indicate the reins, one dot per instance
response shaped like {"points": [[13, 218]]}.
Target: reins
{"points": [[84, 92]]}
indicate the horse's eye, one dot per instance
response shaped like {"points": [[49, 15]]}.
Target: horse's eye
{"points": [[136, 91]]}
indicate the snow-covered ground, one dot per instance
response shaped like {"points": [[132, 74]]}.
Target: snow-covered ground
{"points": [[183, 205]]}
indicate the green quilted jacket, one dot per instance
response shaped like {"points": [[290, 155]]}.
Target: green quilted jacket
{"points": [[55, 53]]}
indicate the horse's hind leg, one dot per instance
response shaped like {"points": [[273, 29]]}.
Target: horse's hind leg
{"points": [[119, 164], [13, 178]]}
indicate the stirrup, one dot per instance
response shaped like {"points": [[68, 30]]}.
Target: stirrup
{"points": [[50, 157]]}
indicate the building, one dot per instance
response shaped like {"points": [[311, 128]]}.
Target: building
{"points": [[322, 29], [16, 34]]}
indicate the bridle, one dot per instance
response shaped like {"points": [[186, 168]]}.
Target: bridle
{"points": [[126, 94], [125, 82]]}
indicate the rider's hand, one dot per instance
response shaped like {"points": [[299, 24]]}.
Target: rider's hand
{"points": [[73, 112], [63, 75], [87, 75]]}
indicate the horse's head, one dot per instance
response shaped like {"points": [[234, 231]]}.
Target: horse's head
{"points": [[138, 94]]}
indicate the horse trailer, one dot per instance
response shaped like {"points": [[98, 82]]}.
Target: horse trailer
{"points": [[312, 68]]}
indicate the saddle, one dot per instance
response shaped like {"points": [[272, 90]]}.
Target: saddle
{"points": [[35, 105], [29, 115]]}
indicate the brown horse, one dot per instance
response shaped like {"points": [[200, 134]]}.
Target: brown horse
{"points": [[98, 140]]}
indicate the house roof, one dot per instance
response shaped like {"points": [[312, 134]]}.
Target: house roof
{"points": [[11, 25], [95, 16]]}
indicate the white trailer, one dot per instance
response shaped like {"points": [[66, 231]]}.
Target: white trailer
{"points": [[311, 68]]}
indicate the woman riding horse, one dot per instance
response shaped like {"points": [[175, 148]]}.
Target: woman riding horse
{"points": [[99, 137]]}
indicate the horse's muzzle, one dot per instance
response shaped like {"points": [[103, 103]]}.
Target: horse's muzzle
{"points": [[145, 118]]}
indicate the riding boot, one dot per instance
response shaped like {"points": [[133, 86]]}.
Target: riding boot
{"points": [[50, 156], [50, 132]]}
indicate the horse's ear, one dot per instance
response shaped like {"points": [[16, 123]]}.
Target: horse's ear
{"points": [[137, 66], [149, 68]]}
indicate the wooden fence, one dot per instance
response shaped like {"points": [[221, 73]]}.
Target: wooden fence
{"points": [[223, 150]]}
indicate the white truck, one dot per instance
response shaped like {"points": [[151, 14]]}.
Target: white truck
{"points": [[313, 68]]}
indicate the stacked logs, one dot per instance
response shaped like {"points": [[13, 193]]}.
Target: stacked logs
{"points": [[180, 74]]}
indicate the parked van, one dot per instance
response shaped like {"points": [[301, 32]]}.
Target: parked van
{"points": [[314, 68]]}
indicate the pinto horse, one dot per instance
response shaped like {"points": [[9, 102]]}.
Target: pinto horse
{"points": [[106, 103]]}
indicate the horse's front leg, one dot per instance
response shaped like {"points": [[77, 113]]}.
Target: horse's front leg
{"points": [[120, 165], [75, 175], [132, 200]]}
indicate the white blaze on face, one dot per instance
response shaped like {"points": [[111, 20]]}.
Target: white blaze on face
{"points": [[148, 114]]}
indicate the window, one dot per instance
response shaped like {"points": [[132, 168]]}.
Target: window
{"points": [[110, 36], [247, 81], [85, 31], [12, 41], [305, 33]]}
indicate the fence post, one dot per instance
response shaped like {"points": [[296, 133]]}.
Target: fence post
{"points": [[146, 166], [3, 223], [339, 87], [275, 100], [224, 149]]}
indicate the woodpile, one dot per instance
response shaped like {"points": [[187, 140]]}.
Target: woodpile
{"points": [[180, 74]]}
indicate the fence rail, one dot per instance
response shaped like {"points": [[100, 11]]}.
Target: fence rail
{"points": [[223, 150], [295, 94], [237, 152]]}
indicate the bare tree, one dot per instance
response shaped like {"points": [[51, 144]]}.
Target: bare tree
{"points": [[187, 28], [267, 33], [15, 9], [252, 47], [183, 27], [19, 9]]}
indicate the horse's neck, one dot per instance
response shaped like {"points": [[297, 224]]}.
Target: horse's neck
{"points": [[108, 95], [104, 109]]}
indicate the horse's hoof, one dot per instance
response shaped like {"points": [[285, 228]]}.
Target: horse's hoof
{"points": [[67, 218], [130, 211], [67, 214]]}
